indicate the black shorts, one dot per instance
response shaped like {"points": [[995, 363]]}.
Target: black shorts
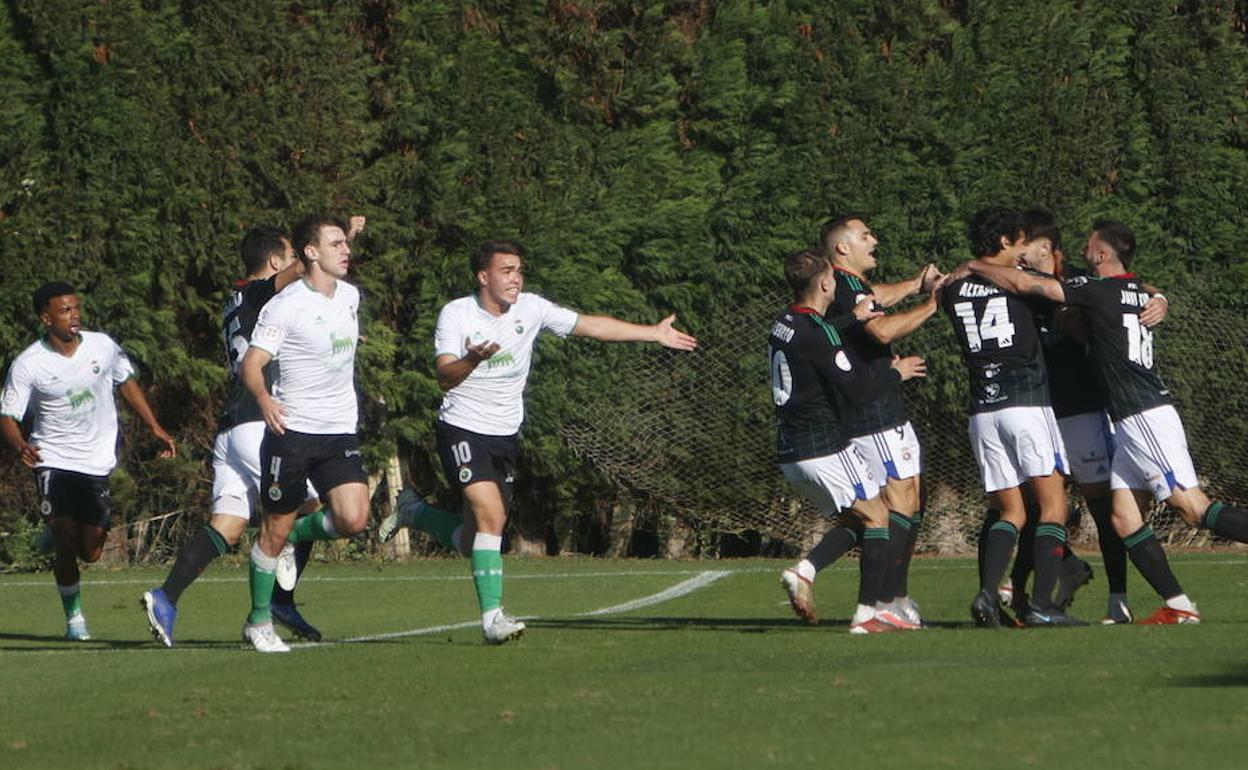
{"points": [[469, 457], [79, 496], [289, 461]]}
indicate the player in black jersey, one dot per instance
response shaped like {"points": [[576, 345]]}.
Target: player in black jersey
{"points": [[1014, 434], [271, 266], [815, 383], [880, 429], [1150, 448]]}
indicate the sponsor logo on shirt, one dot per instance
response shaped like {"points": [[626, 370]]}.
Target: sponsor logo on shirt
{"points": [[501, 359], [340, 345], [77, 399]]}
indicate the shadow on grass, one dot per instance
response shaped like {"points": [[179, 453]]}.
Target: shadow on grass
{"points": [[58, 643], [1235, 677]]}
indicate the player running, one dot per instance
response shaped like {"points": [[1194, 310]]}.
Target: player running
{"points": [[816, 383], [483, 347], [67, 378], [1150, 447]]}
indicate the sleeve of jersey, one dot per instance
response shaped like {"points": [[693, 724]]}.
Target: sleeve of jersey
{"points": [[860, 384], [16, 393], [448, 335], [1080, 292], [556, 319], [123, 368], [270, 331]]}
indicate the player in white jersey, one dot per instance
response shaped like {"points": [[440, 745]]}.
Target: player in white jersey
{"points": [[66, 380], [311, 329], [269, 260], [483, 348]]}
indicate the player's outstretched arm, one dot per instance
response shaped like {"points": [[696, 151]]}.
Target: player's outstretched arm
{"points": [[1018, 281], [893, 327], [134, 396], [252, 374], [608, 329], [889, 294], [12, 433]]}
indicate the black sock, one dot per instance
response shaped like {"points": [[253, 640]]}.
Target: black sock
{"points": [[998, 548], [1049, 547], [872, 564], [1024, 558], [900, 527], [1150, 559], [1112, 550], [991, 517], [1227, 521], [836, 542], [200, 551], [303, 551]]}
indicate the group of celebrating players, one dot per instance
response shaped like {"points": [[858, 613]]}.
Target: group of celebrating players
{"points": [[1062, 384], [287, 453]]}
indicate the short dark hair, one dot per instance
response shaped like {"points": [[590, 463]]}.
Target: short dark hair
{"points": [[308, 231], [260, 243], [990, 225], [802, 267], [1039, 222], [1118, 237], [834, 226], [48, 292], [481, 258]]}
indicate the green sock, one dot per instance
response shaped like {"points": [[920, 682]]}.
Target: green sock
{"points": [[487, 576], [314, 526], [262, 577], [439, 523], [71, 599]]}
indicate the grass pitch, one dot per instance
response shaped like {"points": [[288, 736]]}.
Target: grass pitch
{"points": [[626, 664]]}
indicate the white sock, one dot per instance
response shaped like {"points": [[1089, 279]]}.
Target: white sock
{"points": [[488, 616], [262, 560], [862, 614], [806, 569], [1181, 602]]}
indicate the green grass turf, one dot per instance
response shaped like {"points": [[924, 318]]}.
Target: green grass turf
{"points": [[723, 677]]}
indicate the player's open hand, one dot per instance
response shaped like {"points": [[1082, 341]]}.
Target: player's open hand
{"points": [[670, 337], [910, 367], [481, 352], [866, 310], [274, 414]]}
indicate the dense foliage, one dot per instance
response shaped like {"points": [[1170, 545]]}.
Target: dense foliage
{"points": [[654, 156]]}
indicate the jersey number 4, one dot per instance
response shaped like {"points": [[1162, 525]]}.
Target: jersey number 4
{"points": [[994, 325]]}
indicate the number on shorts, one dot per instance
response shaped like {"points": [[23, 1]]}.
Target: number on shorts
{"points": [[275, 466], [1139, 341], [462, 453], [781, 379], [994, 325], [45, 480]]}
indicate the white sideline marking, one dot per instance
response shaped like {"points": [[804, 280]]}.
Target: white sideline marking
{"points": [[683, 588]]}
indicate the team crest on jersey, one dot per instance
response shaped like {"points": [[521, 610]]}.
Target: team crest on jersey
{"points": [[95, 367], [519, 328], [842, 361], [465, 474], [275, 493]]}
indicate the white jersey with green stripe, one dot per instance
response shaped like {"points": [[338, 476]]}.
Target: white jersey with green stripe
{"points": [[74, 414], [313, 338], [490, 400]]}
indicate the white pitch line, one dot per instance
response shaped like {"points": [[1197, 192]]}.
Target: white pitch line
{"points": [[683, 588]]}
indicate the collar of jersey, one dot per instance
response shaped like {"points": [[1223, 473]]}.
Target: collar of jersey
{"points": [[840, 269], [1125, 275], [476, 299], [796, 308]]}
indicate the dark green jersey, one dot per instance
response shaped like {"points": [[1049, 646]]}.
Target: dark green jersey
{"points": [[238, 319], [1121, 345], [996, 332], [815, 381], [887, 409]]}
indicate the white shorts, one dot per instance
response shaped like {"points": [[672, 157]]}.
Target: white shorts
{"points": [[1089, 440], [1150, 452], [1015, 444], [236, 470], [833, 482], [892, 453]]}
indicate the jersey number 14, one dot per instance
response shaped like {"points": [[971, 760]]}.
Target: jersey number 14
{"points": [[995, 324]]}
